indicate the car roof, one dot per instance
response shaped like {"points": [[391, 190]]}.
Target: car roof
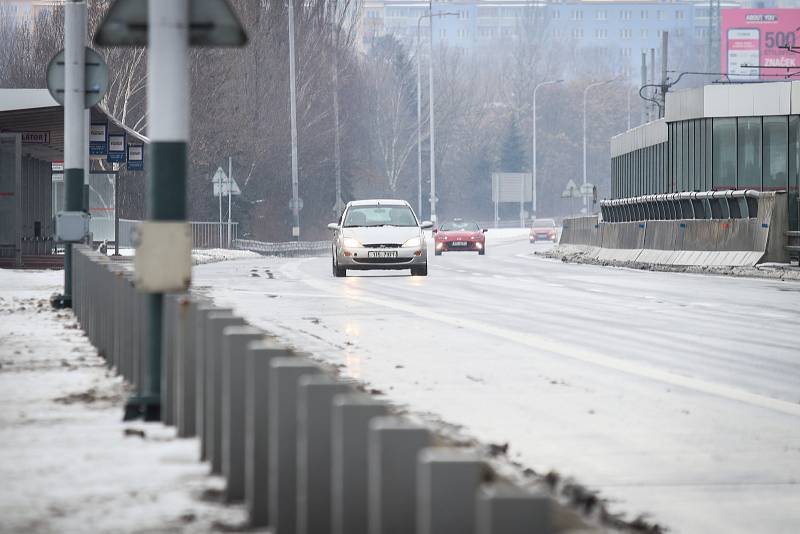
{"points": [[379, 201]]}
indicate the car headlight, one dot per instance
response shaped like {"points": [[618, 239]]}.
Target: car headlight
{"points": [[349, 242], [413, 242]]}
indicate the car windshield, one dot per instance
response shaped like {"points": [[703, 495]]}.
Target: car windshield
{"points": [[539, 223], [458, 226], [379, 216]]}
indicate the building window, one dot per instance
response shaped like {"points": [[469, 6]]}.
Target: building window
{"points": [[556, 14], [625, 34], [794, 170], [462, 33], [601, 15], [576, 14], [643, 34], [601, 34], [659, 15], [443, 33], [749, 153], [644, 15], [625, 14], [463, 14], [776, 158], [723, 153], [577, 33], [679, 15]]}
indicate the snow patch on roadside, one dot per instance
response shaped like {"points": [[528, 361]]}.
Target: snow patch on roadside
{"points": [[69, 464]]}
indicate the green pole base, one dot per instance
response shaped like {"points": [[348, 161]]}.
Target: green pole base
{"points": [[143, 407]]}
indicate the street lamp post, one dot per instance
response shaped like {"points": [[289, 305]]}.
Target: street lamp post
{"points": [[585, 91], [428, 15], [533, 164]]}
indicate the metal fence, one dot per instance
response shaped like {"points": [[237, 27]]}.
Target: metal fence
{"points": [[306, 451], [288, 248], [204, 234]]}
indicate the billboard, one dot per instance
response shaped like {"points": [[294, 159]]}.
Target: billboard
{"points": [[756, 43]]}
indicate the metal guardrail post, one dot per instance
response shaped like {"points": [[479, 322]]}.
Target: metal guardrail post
{"points": [[260, 355], [284, 376], [216, 323], [186, 376], [394, 445], [349, 434], [447, 482], [200, 319], [234, 353], [502, 508], [170, 308], [315, 405]]}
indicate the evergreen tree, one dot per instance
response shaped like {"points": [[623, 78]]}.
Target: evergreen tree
{"points": [[512, 152]]}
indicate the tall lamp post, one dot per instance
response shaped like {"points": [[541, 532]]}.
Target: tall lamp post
{"points": [[428, 15], [585, 91], [533, 164]]}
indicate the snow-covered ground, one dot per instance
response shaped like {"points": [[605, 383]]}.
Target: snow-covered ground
{"points": [[68, 463], [675, 395]]}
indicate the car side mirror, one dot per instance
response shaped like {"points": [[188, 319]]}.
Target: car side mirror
{"points": [[426, 224], [435, 231], [333, 226], [485, 230]]}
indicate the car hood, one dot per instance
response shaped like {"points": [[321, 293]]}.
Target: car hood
{"points": [[377, 235], [460, 235], [542, 229]]}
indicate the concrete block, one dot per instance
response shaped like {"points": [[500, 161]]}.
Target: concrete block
{"points": [[186, 371], [216, 322], [285, 375], [447, 484], [315, 406], [350, 421], [199, 320], [234, 354], [260, 355], [505, 509], [393, 447]]}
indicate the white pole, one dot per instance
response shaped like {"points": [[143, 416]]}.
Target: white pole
{"points": [[533, 164], [74, 90], [230, 192], [293, 110], [219, 232], [585, 91], [419, 121], [430, 112]]}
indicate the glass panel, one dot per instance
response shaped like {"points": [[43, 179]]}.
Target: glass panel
{"points": [[776, 160], [690, 157], [680, 168], [8, 185], [794, 171], [724, 154], [749, 143]]}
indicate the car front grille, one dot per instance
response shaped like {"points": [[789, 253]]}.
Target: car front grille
{"points": [[382, 260]]}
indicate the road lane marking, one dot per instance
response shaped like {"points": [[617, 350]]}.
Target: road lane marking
{"points": [[576, 353]]}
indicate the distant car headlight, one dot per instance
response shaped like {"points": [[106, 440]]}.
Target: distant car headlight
{"points": [[413, 242], [349, 242]]}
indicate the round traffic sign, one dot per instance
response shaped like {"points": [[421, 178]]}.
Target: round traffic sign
{"points": [[95, 78]]}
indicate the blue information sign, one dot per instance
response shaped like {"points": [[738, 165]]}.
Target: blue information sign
{"points": [[135, 157], [98, 138], [116, 147]]}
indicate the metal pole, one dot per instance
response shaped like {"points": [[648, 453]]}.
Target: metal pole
{"points": [[230, 192], [419, 122], [219, 229], [75, 31], [585, 91], [652, 78], [430, 114], [293, 109], [116, 214], [664, 60], [168, 109], [533, 163]]}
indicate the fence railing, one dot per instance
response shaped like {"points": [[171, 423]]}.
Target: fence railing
{"points": [[307, 451], [288, 248], [204, 234]]}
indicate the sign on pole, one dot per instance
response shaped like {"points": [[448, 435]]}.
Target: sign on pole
{"points": [[571, 190], [135, 157], [95, 78], [116, 147], [98, 138], [222, 184]]}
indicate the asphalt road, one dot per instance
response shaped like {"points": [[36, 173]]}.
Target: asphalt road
{"points": [[674, 395]]}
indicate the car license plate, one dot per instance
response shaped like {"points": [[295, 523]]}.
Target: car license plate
{"points": [[382, 254], [458, 244]]}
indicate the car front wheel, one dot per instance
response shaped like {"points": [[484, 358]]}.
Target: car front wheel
{"points": [[338, 272], [420, 271]]}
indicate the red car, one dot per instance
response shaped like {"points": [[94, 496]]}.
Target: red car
{"points": [[543, 230], [459, 235]]}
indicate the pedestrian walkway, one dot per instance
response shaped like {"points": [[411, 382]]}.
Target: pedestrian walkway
{"points": [[67, 461]]}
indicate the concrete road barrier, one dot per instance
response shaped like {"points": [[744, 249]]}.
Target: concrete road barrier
{"points": [[447, 482], [506, 509], [234, 355], [314, 446], [350, 423], [284, 379], [393, 448]]}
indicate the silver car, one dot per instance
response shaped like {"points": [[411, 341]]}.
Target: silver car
{"points": [[379, 234]]}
